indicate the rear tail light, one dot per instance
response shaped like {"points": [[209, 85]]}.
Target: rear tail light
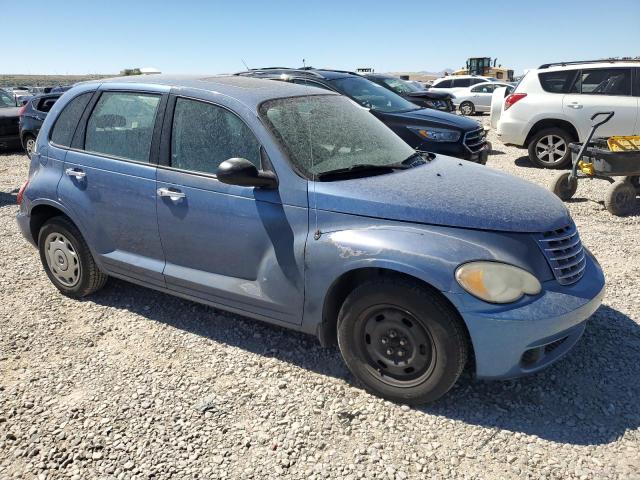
{"points": [[20, 195], [22, 109], [513, 99]]}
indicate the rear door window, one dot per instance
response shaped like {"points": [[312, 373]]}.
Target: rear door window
{"points": [[67, 121], [606, 81], [563, 81], [462, 82], [205, 135], [443, 84], [121, 125]]}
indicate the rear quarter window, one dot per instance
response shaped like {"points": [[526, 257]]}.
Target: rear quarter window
{"points": [[563, 81], [67, 121]]}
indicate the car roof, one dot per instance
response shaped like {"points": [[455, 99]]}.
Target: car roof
{"points": [[604, 63], [322, 73], [250, 91]]}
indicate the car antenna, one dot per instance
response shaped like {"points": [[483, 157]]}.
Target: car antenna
{"points": [[245, 64], [304, 64]]}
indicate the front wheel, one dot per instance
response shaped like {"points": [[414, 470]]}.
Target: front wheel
{"points": [[402, 341], [67, 259], [467, 108]]}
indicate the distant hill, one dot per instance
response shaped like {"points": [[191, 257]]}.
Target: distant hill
{"points": [[13, 80], [424, 76]]}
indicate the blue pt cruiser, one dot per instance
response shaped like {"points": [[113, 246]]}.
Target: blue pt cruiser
{"points": [[295, 206]]}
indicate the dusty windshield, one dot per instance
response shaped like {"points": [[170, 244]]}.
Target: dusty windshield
{"points": [[324, 133], [373, 96]]}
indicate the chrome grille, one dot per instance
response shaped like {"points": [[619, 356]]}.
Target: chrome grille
{"points": [[475, 140], [564, 252]]}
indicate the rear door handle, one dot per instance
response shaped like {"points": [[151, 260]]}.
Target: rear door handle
{"points": [[575, 105], [172, 194], [75, 172]]}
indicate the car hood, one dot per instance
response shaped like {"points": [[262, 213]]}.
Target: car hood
{"points": [[447, 192], [431, 116], [427, 94]]}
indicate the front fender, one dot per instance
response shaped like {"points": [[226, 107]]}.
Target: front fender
{"points": [[428, 253]]}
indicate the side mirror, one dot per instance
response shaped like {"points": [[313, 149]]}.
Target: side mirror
{"points": [[240, 171]]}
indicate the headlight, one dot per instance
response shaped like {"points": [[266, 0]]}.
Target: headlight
{"points": [[436, 134], [496, 282]]}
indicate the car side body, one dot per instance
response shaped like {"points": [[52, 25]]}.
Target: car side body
{"points": [[476, 98], [9, 118], [292, 254]]}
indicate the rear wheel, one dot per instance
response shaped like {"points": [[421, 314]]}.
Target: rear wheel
{"points": [[564, 186], [29, 145], [67, 259], [620, 198], [467, 108], [401, 341], [549, 148]]}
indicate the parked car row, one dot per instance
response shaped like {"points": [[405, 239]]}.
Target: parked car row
{"points": [[20, 122], [299, 207], [424, 129], [552, 106]]}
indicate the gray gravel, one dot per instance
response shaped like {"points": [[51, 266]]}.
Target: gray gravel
{"points": [[131, 383]]}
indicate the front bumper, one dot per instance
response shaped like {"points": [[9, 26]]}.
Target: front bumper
{"points": [[518, 339]]}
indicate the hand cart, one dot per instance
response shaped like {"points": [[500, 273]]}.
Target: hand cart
{"points": [[604, 158]]}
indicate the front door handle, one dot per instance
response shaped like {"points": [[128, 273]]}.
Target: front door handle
{"points": [[74, 172], [172, 194], [575, 105]]}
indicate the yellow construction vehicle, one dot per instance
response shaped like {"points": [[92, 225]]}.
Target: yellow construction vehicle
{"points": [[483, 66]]}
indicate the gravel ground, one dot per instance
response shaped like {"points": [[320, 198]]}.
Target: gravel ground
{"points": [[131, 383]]}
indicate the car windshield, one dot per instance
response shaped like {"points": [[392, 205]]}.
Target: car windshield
{"points": [[323, 133], [400, 86], [6, 100], [371, 95]]}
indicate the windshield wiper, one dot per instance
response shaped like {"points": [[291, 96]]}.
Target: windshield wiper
{"points": [[360, 168]]}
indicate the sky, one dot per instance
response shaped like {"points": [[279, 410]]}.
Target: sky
{"points": [[189, 36]]}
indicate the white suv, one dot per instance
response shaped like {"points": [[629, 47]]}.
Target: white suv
{"points": [[454, 83], [552, 107]]}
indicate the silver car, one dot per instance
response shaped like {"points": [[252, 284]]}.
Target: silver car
{"points": [[476, 98]]}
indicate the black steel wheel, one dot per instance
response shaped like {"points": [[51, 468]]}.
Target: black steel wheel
{"points": [[402, 341]]}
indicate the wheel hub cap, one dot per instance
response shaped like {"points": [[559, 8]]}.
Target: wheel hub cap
{"points": [[62, 259], [551, 149]]}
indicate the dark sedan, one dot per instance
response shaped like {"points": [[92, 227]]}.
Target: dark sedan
{"points": [[31, 118], [9, 115], [409, 91], [423, 129]]}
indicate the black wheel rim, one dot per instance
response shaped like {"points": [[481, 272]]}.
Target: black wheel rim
{"points": [[396, 347]]}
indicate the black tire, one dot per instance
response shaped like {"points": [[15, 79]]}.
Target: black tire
{"points": [[74, 253], [29, 143], [413, 313], [557, 157], [564, 186], [635, 181], [467, 108], [620, 198]]}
